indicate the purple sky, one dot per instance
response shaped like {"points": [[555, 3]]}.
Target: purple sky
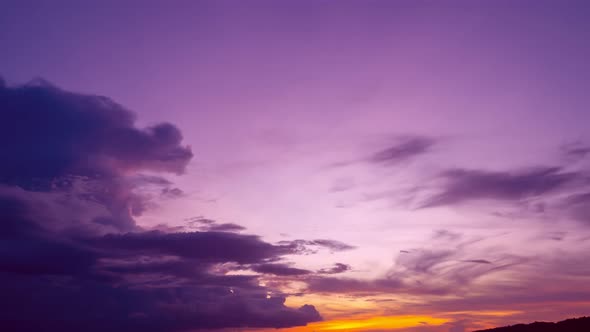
{"points": [[369, 158]]}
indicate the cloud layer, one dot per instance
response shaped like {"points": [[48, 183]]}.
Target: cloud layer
{"points": [[72, 257]]}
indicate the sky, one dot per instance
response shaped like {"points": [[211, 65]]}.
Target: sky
{"points": [[416, 166]]}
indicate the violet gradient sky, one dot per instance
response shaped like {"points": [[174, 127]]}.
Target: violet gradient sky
{"points": [[448, 142]]}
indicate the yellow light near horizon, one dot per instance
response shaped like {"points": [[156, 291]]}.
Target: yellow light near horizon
{"points": [[372, 323]]}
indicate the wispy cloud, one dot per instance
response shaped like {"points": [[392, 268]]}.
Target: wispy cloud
{"points": [[406, 148], [462, 185], [337, 268]]}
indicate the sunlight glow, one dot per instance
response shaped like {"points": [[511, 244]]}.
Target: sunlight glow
{"points": [[373, 323]]}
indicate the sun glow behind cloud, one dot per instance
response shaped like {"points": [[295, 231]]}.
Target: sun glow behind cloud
{"points": [[372, 323], [395, 322]]}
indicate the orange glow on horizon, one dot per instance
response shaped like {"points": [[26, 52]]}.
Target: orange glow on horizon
{"points": [[364, 323], [371, 323]]}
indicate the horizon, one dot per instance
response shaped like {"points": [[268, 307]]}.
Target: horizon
{"points": [[419, 166]]}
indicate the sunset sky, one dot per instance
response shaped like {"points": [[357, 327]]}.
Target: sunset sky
{"points": [[170, 166]]}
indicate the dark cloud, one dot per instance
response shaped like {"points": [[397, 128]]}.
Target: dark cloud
{"points": [[143, 179], [213, 247], [407, 148], [71, 255], [446, 235], [279, 270], [332, 245], [210, 225], [226, 227], [53, 140], [46, 133], [577, 206], [556, 236], [337, 268], [96, 306], [165, 281], [310, 247], [200, 220], [575, 151], [462, 185], [172, 192], [477, 261]]}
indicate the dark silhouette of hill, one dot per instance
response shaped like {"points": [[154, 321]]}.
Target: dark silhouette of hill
{"points": [[569, 325]]}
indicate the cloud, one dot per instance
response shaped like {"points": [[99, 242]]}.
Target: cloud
{"points": [[53, 140], [469, 293], [332, 245], [422, 261], [312, 246], [477, 261], [71, 184], [404, 149], [46, 133], [445, 235], [461, 185], [172, 192], [210, 225], [199, 220], [575, 151], [337, 268], [577, 206], [402, 279], [212, 247], [407, 148], [96, 306], [169, 278], [279, 270], [352, 286], [226, 227], [425, 272]]}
